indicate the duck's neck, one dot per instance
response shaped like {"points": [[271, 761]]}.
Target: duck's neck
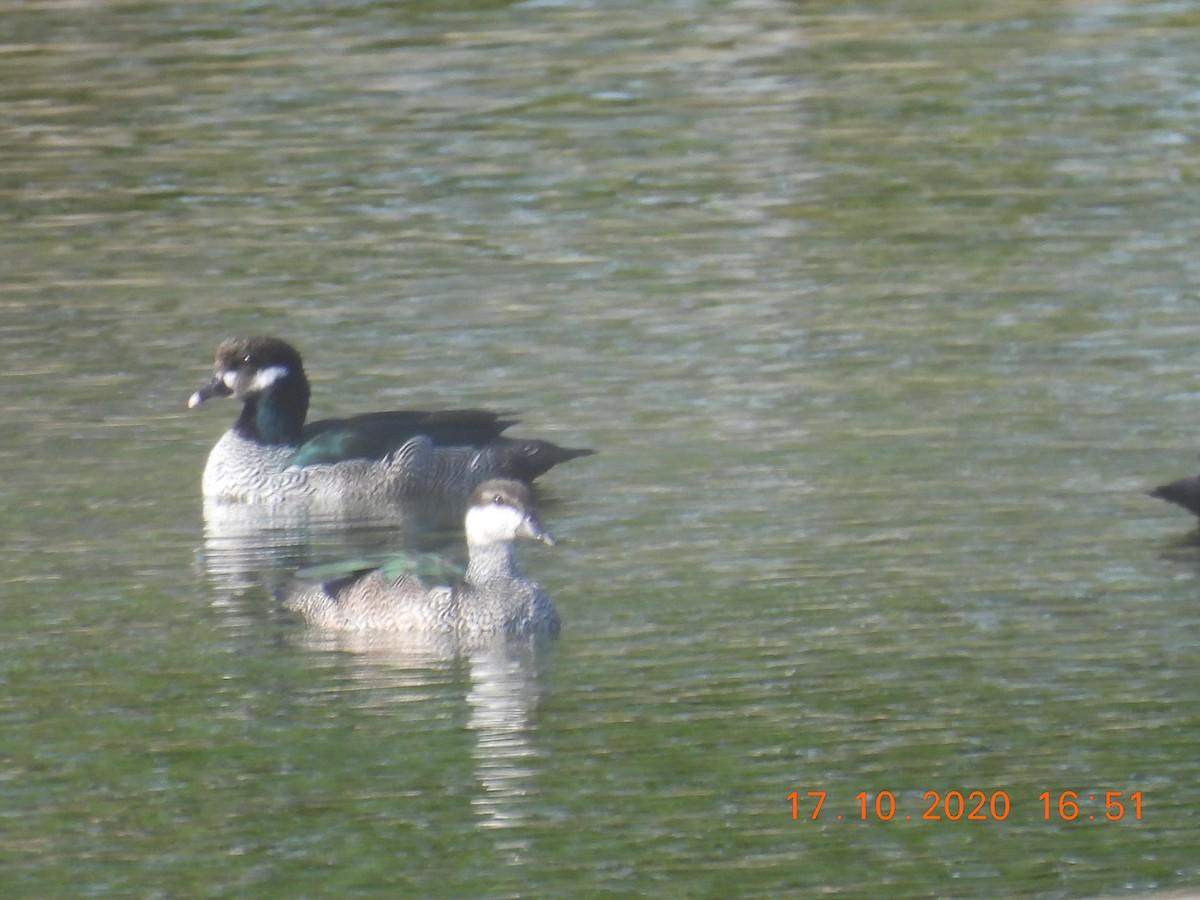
{"points": [[491, 562], [277, 415]]}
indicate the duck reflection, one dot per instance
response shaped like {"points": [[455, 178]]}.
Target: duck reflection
{"points": [[504, 675], [504, 691], [250, 547]]}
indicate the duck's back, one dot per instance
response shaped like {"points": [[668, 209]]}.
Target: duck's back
{"points": [[375, 435], [373, 602]]}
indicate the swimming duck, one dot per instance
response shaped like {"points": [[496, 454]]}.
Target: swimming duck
{"points": [[492, 598], [272, 455]]}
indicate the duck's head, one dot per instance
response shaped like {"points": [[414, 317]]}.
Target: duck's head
{"points": [[502, 510], [249, 367], [266, 374]]}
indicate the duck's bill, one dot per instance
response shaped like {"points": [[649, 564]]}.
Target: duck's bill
{"points": [[215, 388], [532, 528]]}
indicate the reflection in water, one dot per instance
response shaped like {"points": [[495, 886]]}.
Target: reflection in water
{"points": [[503, 693], [247, 546], [504, 690]]}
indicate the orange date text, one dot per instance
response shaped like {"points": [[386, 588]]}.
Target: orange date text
{"points": [[968, 806]]}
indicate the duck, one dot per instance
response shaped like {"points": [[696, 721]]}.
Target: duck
{"points": [[273, 455], [1185, 492], [492, 597]]}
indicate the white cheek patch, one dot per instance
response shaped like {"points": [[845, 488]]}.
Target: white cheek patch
{"points": [[264, 378], [494, 522], [230, 377]]}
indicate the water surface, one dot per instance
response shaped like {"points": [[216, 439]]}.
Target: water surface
{"points": [[882, 318]]}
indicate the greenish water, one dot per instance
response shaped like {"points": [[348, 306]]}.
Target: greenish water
{"points": [[881, 316]]}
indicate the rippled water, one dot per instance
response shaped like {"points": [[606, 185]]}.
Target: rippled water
{"points": [[881, 316]]}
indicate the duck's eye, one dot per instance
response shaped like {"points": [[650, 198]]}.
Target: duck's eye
{"points": [[497, 499]]}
